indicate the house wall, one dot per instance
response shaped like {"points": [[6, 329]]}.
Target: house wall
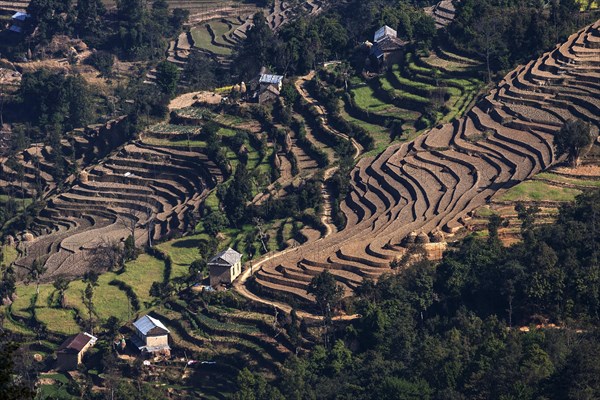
{"points": [[393, 58], [153, 341], [236, 270], [219, 275], [67, 361]]}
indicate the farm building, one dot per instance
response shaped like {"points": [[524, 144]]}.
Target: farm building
{"points": [[18, 21], [70, 354], [269, 88], [151, 336], [225, 267], [387, 48]]}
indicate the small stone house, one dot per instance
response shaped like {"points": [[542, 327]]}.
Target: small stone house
{"points": [[387, 48], [225, 267], [70, 354], [151, 336], [269, 88], [18, 21]]}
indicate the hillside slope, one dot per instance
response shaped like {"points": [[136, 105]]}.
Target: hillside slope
{"points": [[415, 191]]}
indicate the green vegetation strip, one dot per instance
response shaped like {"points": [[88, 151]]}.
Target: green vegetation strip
{"points": [[539, 191]]}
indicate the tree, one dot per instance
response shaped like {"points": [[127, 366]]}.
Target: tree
{"points": [[328, 295], [48, 17], [237, 195], [167, 76], [257, 50], [88, 300], [214, 223], [12, 387], [89, 22], [61, 284], [196, 271], [36, 271], [8, 283], [201, 71], [103, 61], [488, 37], [574, 139]]}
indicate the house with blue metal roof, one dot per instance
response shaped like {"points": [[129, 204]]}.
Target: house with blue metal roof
{"points": [[151, 336]]}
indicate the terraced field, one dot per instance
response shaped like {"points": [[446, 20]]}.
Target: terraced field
{"points": [[151, 190], [217, 32], [423, 190], [442, 81], [443, 13], [196, 7]]}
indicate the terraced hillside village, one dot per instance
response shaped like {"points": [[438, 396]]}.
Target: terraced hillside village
{"points": [[408, 187], [425, 191]]}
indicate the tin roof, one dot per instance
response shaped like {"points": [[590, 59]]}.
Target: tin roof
{"points": [[226, 258], [20, 16], [271, 79], [383, 32], [76, 343], [146, 323]]}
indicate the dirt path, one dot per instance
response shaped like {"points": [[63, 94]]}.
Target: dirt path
{"points": [[240, 283], [189, 99], [240, 286], [327, 197], [300, 84]]}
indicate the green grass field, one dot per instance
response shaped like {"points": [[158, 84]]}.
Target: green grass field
{"points": [[203, 41], [538, 191], [10, 254], [108, 300], [565, 179]]}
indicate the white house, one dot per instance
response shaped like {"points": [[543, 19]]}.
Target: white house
{"points": [[225, 267], [151, 336]]}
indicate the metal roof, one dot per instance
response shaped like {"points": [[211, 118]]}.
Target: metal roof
{"points": [[383, 32], [20, 16], [147, 323], [271, 79], [227, 257], [77, 343]]}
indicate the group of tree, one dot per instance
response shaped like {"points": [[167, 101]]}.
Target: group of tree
{"points": [[504, 33], [454, 330], [52, 102], [337, 33], [135, 30]]}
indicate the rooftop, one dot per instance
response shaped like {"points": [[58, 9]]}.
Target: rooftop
{"points": [[146, 323], [271, 79], [20, 16], [386, 45], [226, 258], [383, 32], [76, 343]]}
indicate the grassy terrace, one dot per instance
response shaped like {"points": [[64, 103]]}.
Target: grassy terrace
{"points": [[410, 84], [583, 183], [220, 29], [108, 300], [534, 190], [203, 41]]}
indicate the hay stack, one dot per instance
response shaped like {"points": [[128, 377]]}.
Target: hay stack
{"points": [[437, 237]]}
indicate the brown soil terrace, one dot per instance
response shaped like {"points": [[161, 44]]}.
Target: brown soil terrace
{"points": [[420, 189]]}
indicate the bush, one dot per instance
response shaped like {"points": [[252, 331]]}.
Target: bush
{"points": [[103, 61]]}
